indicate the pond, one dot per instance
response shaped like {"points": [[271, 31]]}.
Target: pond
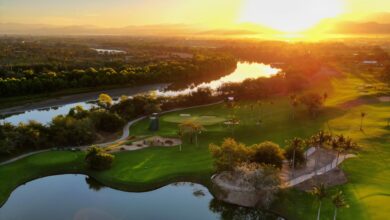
{"points": [[79, 197], [243, 71]]}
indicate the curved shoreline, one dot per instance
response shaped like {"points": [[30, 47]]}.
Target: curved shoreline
{"points": [[122, 186], [80, 97], [133, 187], [147, 188]]}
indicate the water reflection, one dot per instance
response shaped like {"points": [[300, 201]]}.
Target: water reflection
{"points": [[243, 71], [233, 212], [80, 197], [93, 184], [44, 115]]}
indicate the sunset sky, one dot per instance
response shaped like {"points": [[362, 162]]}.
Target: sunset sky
{"points": [[278, 14]]}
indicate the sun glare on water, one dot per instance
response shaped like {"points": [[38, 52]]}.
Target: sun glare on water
{"points": [[289, 16]]}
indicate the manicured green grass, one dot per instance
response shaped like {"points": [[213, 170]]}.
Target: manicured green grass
{"points": [[367, 191], [277, 123], [201, 119]]}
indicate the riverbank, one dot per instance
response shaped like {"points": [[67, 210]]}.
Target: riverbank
{"points": [[59, 99], [367, 174]]}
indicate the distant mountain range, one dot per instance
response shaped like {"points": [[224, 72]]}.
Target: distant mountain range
{"points": [[41, 29], [373, 24], [360, 28]]}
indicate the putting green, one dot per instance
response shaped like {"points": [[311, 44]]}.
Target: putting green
{"points": [[204, 119]]}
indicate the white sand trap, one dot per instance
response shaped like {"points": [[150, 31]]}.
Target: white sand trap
{"points": [[231, 123], [185, 115], [155, 141], [384, 99]]}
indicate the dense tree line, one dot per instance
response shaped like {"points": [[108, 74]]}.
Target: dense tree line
{"points": [[31, 82], [81, 127], [385, 75]]}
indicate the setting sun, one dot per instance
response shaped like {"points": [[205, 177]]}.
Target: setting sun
{"points": [[195, 109], [289, 16]]}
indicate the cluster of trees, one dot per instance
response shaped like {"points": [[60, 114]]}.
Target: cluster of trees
{"points": [[282, 84], [80, 127], [192, 129], [29, 81], [313, 102], [231, 154], [338, 199], [255, 161], [256, 167], [385, 75], [261, 88], [77, 128]]}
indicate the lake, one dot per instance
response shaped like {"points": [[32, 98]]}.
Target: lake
{"points": [[243, 71], [78, 197]]}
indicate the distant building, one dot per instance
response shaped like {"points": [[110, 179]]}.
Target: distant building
{"points": [[370, 62], [108, 51]]}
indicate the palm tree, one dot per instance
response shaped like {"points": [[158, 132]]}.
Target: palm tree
{"points": [[349, 146], [197, 128], [191, 128], [325, 96], [320, 193], [180, 134], [294, 103], [339, 202], [338, 144], [233, 121], [362, 116], [295, 144], [318, 140]]}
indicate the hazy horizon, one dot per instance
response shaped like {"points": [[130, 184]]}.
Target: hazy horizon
{"points": [[279, 15]]}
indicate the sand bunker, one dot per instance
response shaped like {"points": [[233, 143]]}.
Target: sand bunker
{"points": [[155, 141]]}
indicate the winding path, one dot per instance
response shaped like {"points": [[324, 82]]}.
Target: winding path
{"points": [[319, 171], [125, 133]]}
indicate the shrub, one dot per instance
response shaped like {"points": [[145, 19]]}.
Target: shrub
{"points": [[298, 146], [96, 159], [106, 121], [299, 155], [313, 102], [267, 153], [229, 154]]}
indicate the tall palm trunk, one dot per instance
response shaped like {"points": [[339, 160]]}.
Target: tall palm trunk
{"points": [[337, 158], [293, 165], [335, 214], [316, 160], [319, 211]]}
